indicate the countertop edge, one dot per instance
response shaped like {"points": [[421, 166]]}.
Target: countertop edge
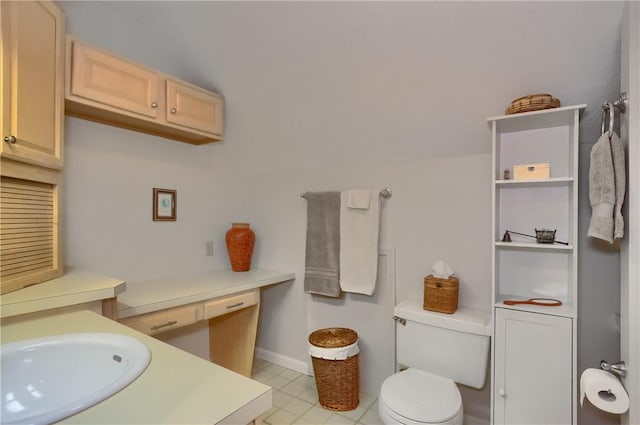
{"points": [[60, 292], [126, 310]]}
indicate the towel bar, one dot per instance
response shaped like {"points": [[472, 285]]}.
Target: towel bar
{"points": [[620, 104], [384, 193]]}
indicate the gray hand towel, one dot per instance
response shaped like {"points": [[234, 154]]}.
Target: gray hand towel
{"points": [[322, 263], [606, 188], [619, 173], [602, 191]]}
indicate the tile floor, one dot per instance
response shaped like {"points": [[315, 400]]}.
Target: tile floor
{"points": [[295, 400]]}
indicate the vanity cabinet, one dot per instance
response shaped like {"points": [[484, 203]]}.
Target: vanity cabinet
{"points": [[534, 347], [31, 126], [106, 88], [232, 319], [32, 94]]}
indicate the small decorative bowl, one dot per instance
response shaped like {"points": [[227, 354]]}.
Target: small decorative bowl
{"points": [[545, 236]]}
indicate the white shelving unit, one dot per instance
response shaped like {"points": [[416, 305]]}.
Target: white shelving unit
{"points": [[523, 269]]}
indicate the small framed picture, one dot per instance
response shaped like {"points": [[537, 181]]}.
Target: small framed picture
{"points": [[164, 204]]}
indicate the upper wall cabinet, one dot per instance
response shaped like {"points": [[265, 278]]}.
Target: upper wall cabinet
{"points": [[105, 88], [31, 126], [32, 62]]}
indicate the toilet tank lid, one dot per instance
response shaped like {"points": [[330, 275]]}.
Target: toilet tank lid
{"points": [[463, 320]]}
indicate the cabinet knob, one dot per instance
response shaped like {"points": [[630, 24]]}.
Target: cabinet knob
{"points": [[10, 139], [173, 110], [154, 104], [501, 392]]}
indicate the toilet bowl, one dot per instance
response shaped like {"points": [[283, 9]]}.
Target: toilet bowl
{"points": [[439, 351], [417, 397]]}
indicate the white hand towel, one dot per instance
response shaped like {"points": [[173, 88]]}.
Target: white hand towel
{"points": [[359, 232], [359, 198]]}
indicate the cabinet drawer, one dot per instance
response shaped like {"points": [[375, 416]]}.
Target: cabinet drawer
{"points": [[229, 304], [153, 323]]}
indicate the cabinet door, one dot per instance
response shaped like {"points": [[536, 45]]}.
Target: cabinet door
{"points": [[109, 80], [32, 82], [194, 108], [30, 232], [532, 368]]}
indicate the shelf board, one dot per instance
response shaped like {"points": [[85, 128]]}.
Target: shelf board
{"points": [[565, 310], [534, 113], [533, 246], [555, 181]]}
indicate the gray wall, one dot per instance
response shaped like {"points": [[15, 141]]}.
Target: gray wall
{"points": [[334, 95]]}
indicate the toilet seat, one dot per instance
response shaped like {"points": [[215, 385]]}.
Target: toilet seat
{"points": [[417, 397]]}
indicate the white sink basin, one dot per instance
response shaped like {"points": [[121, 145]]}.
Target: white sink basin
{"points": [[46, 379]]}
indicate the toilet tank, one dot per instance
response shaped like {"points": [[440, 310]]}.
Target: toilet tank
{"points": [[454, 346]]}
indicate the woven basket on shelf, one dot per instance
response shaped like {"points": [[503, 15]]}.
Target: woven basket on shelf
{"points": [[441, 295], [532, 102], [337, 381]]}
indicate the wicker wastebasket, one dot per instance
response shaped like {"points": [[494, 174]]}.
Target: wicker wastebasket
{"points": [[334, 354]]}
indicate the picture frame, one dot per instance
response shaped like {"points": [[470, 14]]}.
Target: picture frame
{"points": [[164, 204]]}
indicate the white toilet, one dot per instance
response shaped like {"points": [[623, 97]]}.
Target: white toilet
{"points": [[439, 350]]}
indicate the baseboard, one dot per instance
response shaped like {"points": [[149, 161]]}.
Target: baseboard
{"points": [[282, 360]]}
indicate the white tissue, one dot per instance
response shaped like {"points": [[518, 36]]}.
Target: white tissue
{"points": [[604, 391], [442, 270]]}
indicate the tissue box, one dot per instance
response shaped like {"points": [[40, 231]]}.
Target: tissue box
{"points": [[441, 295], [531, 171]]}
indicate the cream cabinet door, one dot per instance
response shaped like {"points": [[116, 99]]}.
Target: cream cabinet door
{"points": [[32, 82], [114, 82], [532, 368], [194, 108]]}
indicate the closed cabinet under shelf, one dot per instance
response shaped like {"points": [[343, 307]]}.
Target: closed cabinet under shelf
{"points": [[533, 368], [106, 88]]}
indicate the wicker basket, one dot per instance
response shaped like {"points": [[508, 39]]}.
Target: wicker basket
{"points": [[532, 102], [337, 381], [441, 295]]}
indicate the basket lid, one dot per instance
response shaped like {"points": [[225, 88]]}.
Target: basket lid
{"points": [[532, 102], [333, 337]]}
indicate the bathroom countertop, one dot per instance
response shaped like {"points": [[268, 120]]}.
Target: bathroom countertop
{"points": [[176, 387], [75, 287], [159, 294]]}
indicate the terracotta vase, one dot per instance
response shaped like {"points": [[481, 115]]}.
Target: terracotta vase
{"points": [[240, 240]]}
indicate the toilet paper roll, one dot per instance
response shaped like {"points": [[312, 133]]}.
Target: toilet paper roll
{"points": [[604, 391]]}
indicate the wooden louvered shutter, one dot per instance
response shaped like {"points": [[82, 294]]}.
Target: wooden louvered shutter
{"points": [[28, 233]]}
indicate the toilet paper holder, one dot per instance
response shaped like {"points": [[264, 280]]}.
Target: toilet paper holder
{"points": [[619, 368]]}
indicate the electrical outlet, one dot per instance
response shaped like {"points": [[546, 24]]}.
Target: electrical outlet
{"points": [[208, 246]]}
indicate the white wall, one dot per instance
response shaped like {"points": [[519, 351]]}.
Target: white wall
{"points": [[323, 96]]}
